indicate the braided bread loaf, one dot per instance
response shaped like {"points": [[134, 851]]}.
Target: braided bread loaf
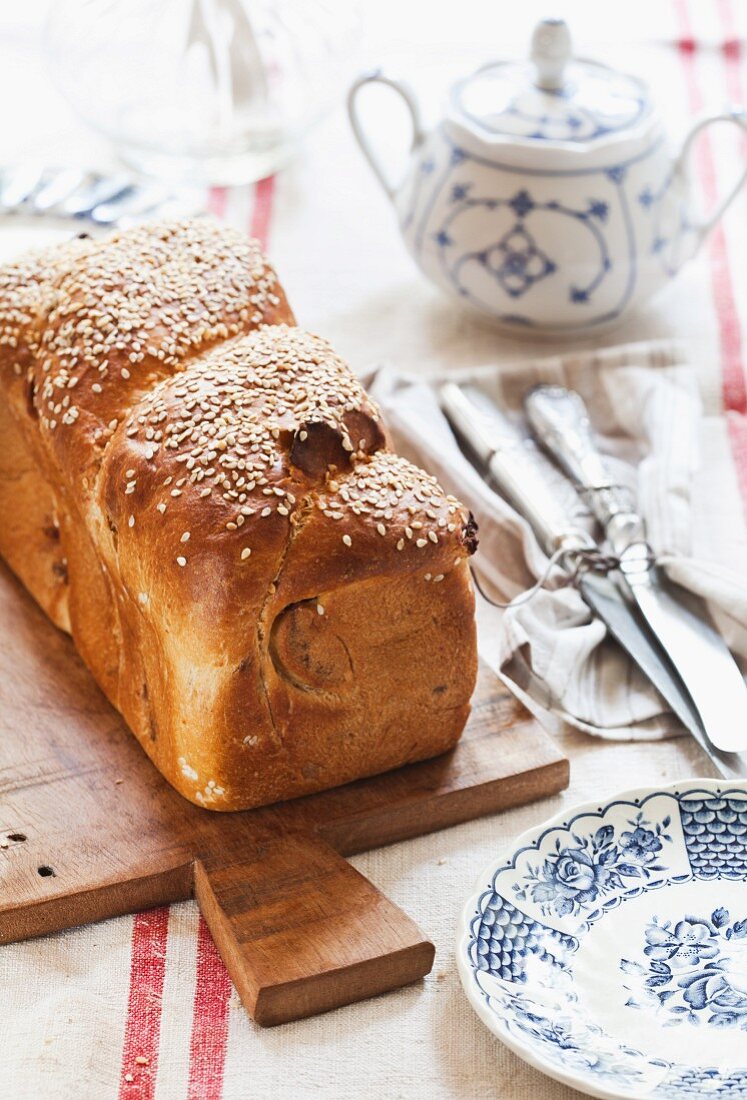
{"points": [[202, 494]]}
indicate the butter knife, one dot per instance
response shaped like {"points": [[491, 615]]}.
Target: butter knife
{"points": [[501, 455], [678, 620]]}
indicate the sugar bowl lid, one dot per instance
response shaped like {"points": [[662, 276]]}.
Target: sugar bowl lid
{"points": [[552, 97]]}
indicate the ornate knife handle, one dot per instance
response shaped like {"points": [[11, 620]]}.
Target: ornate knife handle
{"points": [[486, 435], [560, 423], [520, 483]]}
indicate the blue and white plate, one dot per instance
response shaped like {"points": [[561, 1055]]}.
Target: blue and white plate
{"points": [[609, 947]]}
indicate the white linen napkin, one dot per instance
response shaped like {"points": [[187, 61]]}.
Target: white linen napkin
{"points": [[645, 409]]}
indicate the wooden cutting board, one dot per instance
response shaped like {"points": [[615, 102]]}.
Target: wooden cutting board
{"points": [[89, 829]]}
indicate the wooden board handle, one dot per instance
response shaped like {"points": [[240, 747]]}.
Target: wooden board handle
{"points": [[301, 931]]}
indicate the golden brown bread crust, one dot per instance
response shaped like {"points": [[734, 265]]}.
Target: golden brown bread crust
{"points": [[29, 530], [274, 601]]}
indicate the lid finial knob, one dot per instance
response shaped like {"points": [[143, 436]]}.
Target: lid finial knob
{"points": [[551, 52]]}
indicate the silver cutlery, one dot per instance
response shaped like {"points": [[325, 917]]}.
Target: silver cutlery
{"points": [[18, 184], [677, 619], [77, 194], [56, 188], [501, 454], [101, 189], [130, 204]]}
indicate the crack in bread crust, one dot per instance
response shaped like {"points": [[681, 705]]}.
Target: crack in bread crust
{"points": [[263, 633]]}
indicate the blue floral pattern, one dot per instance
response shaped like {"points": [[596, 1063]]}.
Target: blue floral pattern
{"points": [[695, 971], [678, 967], [576, 874], [672, 238], [569, 1041], [515, 261], [590, 248], [596, 103]]}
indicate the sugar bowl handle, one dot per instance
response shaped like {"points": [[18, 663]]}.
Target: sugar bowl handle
{"points": [[737, 116], [399, 86]]}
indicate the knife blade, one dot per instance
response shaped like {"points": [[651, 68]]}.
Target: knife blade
{"points": [[502, 456], [678, 620]]}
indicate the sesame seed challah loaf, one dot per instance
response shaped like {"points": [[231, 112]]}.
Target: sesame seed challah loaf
{"points": [[202, 494]]}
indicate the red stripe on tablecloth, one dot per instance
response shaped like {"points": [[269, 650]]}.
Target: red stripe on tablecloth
{"points": [[737, 425], [259, 225], [734, 392], [143, 1023], [207, 1048], [217, 201], [731, 47], [732, 52], [733, 388]]}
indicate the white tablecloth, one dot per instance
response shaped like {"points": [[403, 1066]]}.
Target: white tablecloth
{"points": [[79, 1008]]}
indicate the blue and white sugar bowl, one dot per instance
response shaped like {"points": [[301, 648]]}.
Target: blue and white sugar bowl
{"points": [[547, 197]]}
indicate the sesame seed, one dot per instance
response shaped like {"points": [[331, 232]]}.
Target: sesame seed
{"points": [[185, 537], [131, 521], [347, 540], [438, 577], [245, 553], [217, 404], [420, 543], [319, 609], [181, 561]]}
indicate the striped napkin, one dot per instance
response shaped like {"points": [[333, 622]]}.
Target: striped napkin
{"points": [[645, 408]]}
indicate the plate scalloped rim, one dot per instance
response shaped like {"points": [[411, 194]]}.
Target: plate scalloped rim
{"points": [[510, 851]]}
